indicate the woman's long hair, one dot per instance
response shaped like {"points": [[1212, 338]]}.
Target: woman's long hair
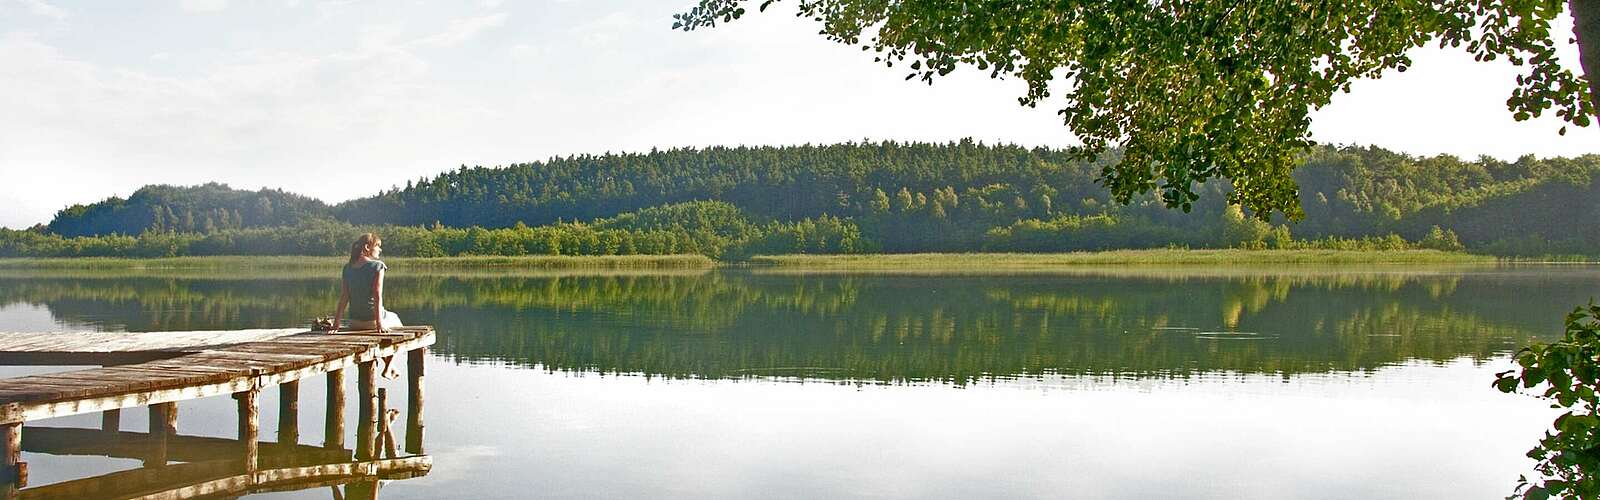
{"points": [[363, 246]]}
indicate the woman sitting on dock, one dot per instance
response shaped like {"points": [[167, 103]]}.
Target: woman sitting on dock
{"points": [[362, 288]]}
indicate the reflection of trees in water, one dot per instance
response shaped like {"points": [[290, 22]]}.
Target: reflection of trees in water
{"points": [[888, 328], [152, 304]]}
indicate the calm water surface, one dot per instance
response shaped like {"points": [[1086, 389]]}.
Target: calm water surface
{"points": [[1308, 382]]}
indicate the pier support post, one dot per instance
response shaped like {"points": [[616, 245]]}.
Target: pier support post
{"points": [[386, 445], [333, 428], [111, 422], [249, 426], [289, 412], [163, 425], [361, 490], [15, 472], [415, 371], [367, 426]]}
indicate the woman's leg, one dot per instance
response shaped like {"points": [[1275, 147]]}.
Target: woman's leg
{"points": [[391, 320]]}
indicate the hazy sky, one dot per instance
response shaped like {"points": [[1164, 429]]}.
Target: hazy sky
{"points": [[340, 99]]}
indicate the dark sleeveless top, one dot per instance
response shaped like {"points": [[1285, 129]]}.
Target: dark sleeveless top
{"points": [[358, 279]]}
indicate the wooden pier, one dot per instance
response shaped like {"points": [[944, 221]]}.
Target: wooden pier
{"points": [[158, 369]]}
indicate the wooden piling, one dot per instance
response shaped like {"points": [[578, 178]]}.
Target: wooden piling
{"points": [[166, 418], [11, 456], [385, 418], [333, 428], [289, 412], [163, 424], [249, 426], [111, 422], [361, 490], [415, 371], [366, 427]]}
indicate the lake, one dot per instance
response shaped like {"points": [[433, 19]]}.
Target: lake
{"points": [[1102, 382]]}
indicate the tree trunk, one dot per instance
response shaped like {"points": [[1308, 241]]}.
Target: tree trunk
{"points": [[1586, 26]]}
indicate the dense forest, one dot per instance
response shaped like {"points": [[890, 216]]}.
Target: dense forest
{"points": [[867, 197]]}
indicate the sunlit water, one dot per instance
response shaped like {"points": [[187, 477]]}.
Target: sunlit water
{"points": [[1304, 382]]}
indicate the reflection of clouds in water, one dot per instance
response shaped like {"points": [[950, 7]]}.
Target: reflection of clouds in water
{"points": [[452, 464], [25, 317]]}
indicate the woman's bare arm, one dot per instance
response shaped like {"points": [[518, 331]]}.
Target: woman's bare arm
{"points": [[377, 301], [344, 301]]}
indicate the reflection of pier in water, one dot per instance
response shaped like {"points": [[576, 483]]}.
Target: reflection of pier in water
{"points": [[159, 369]]}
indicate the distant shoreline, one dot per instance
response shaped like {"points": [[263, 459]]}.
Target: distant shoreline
{"points": [[848, 261], [1118, 257], [248, 262]]}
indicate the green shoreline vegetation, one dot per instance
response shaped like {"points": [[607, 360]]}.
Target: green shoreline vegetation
{"points": [[951, 261], [1116, 257], [251, 262]]}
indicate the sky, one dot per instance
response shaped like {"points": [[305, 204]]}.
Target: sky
{"points": [[341, 99]]}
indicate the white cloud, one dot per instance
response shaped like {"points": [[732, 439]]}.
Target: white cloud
{"points": [[77, 132], [339, 100], [40, 8], [462, 30], [203, 6], [606, 30]]}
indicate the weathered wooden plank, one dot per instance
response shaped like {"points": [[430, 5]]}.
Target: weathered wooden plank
{"points": [[315, 348], [110, 381], [35, 410], [141, 378], [109, 374], [331, 346], [137, 341], [264, 353], [15, 358], [39, 391], [192, 374], [270, 347]]}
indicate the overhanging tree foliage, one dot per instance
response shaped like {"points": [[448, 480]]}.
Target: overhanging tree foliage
{"points": [[1193, 90]]}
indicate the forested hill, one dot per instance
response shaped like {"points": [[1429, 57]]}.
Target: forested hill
{"points": [[776, 182], [926, 197], [198, 209]]}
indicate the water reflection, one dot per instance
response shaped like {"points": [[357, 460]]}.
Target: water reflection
{"points": [[1127, 322], [180, 466], [206, 467]]}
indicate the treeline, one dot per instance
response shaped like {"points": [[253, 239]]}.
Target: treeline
{"points": [[898, 197], [205, 208], [715, 229]]}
